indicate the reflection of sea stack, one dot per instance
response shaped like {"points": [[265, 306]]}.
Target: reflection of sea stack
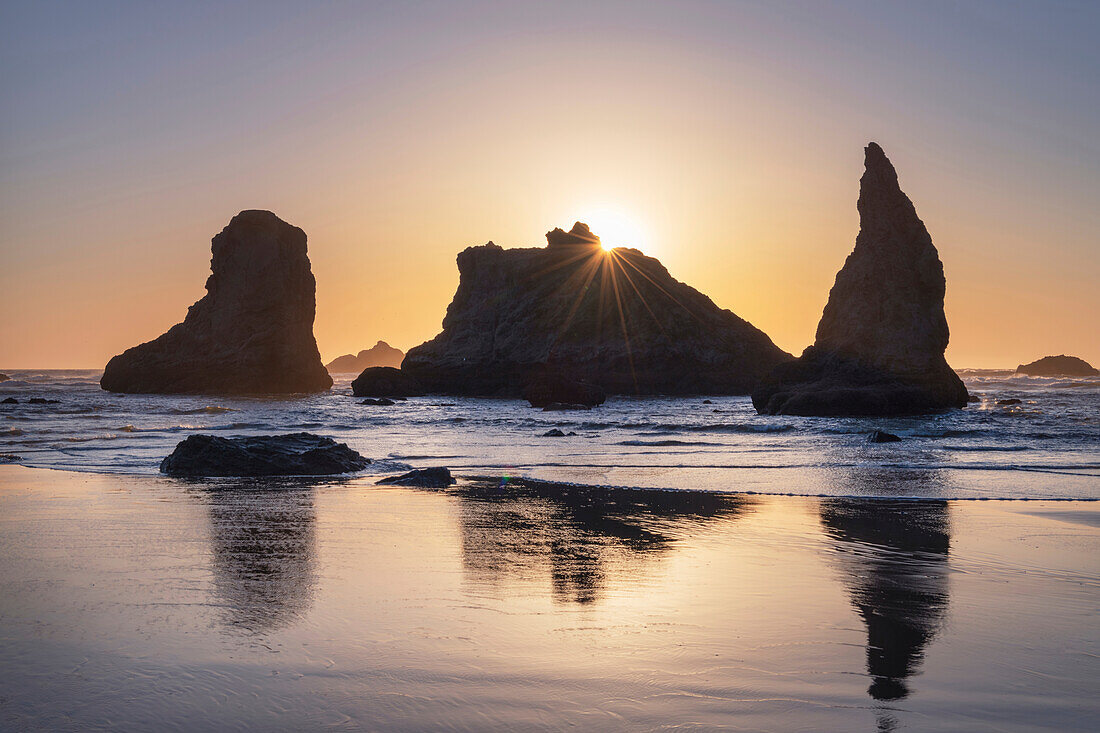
{"points": [[897, 580], [881, 339], [252, 333], [580, 536], [263, 546], [617, 320]]}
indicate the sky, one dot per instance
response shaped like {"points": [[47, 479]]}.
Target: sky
{"points": [[724, 138]]}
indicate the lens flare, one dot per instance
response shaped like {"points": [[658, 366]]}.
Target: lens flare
{"points": [[614, 226]]}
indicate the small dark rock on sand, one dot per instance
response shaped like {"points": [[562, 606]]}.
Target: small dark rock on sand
{"points": [[880, 436], [380, 402], [1012, 401], [296, 454], [436, 477]]}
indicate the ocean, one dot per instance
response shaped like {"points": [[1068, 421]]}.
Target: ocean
{"points": [[532, 595], [1046, 446]]}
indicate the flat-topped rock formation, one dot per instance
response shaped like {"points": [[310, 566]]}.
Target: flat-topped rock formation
{"points": [[252, 333], [615, 320], [379, 355], [295, 454], [881, 339], [1058, 366]]}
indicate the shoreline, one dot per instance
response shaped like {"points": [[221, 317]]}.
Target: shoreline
{"points": [[468, 480]]}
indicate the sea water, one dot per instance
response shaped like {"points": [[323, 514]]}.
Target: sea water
{"points": [[1047, 446]]}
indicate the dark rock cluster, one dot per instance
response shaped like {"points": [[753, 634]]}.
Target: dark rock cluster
{"points": [[296, 454]]}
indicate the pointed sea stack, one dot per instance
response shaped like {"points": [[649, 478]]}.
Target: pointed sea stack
{"points": [[252, 333], [573, 312], [880, 343]]}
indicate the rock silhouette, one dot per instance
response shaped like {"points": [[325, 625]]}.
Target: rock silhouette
{"points": [[385, 382], [379, 355], [616, 320], [252, 333], [881, 339], [296, 454], [1058, 366]]}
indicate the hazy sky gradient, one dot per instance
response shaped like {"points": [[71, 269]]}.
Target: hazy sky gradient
{"points": [[396, 134]]}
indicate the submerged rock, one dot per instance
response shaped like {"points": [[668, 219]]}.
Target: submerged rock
{"points": [[881, 436], [381, 354], [385, 382], [380, 402], [545, 389], [553, 433], [4, 377], [564, 406], [296, 454], [1058, 366], [42, 401], [615, 320], [1010, 401], [425, 478], [9, 401], [881, 339], [252, 333], [973, 398]]}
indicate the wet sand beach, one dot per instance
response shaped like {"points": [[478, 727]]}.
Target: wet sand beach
{"points": [[146, 603]]}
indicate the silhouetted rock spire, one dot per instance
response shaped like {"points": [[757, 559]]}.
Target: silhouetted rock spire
{"points": [[881, 339]]}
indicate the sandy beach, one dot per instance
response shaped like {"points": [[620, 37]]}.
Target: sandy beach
{"points": [[143, 603]]}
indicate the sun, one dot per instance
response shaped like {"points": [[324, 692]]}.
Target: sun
{"points": [[614, 226]]}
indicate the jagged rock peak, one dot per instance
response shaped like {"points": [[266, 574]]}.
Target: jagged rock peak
{"points": [[251, 333], [566, 311], [580, 234], [880, 342]]}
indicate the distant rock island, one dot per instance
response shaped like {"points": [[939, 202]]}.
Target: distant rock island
{"points": [[881, 339], [252, 333], [379, 355], [616, 320], [1058, 366]]}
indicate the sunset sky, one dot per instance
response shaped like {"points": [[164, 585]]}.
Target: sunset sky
{"points": [[724, 138]]}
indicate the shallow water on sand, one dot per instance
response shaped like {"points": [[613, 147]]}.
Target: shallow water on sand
{"points": [[1045, 447], [147, 603]]}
